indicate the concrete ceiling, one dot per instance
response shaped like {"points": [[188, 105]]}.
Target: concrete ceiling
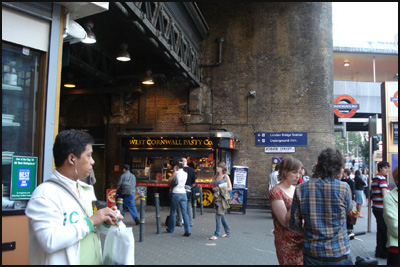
{"points": [[361, 67]]}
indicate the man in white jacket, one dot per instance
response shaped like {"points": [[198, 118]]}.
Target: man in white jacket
{"points": [[63, 229]]}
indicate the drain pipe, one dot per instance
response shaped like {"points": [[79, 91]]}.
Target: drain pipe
{"points": [[219, 40]]}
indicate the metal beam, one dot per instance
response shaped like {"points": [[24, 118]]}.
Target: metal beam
{"points": [[85, 67], [159, 22]]}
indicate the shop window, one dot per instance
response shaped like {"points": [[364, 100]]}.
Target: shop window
{"points": [[22, 112]]}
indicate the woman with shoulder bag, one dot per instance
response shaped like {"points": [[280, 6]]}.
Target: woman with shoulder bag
{"points": [[222, 184], [179, 198]]}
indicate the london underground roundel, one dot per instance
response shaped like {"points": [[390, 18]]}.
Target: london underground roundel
{"points": [[351, 106], [395, 99]]}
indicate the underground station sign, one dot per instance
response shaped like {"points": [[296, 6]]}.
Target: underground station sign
{"points": [[346, 109]]}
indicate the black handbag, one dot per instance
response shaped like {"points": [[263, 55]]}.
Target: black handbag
{"points": [[174, 182]]}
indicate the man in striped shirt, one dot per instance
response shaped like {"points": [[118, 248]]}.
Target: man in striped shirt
{"points": [[379, 188], [323, 203]]}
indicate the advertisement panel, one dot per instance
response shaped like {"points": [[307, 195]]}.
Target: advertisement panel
{"points": [[23, 177]]}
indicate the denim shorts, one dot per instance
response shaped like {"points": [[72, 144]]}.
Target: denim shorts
{"points": [[359, 197]]}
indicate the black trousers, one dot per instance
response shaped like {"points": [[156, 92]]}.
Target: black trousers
{"points": [[381, 234], [393, 259]]}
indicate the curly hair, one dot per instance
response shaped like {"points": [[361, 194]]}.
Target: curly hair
{"points": [[330, 163], [288, 164]]}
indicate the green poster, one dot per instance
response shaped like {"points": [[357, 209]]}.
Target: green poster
{"points": [[23, 177]]}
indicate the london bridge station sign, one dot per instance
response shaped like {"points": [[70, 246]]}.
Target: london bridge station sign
{"points": [[175, 142]]}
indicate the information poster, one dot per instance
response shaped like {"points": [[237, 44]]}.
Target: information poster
{"points": [[111, 195], [237, 199], [23, 177], [240, 177]]}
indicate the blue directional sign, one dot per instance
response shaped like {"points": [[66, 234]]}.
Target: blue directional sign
{"points": [[281, 139]]}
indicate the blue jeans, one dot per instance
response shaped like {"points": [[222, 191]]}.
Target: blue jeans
{"points": [[311, 261], [190, 213], [218, 219], [181, 201], [129, 202]]}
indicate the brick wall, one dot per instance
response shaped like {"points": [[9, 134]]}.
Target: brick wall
{"points": [[283, 51]]}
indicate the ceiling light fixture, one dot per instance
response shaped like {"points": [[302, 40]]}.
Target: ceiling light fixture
{"points": [[123, 54], [346, 63], [90, 37], [149, 79], [69, 81]]}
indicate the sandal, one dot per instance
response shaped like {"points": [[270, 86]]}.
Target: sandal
{"points": [[213, 237], [225, 235]]}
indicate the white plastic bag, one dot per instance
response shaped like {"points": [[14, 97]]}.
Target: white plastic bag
{"points": [[119, 246]]}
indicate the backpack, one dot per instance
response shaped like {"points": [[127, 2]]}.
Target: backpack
{"points": [[126, 187]]}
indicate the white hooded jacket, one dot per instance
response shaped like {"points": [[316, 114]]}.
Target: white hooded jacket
{"points": [[57, 224]]}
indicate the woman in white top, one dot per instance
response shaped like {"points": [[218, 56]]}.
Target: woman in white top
{"points": [[179, 198]]}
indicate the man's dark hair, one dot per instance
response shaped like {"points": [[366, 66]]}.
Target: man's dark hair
{"points": [[347, 171], [70, 141], [383, 164], [330, 163]]}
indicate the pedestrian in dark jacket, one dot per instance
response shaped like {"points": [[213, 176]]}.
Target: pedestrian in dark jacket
{"points": [[359, 192], [346, 178]]}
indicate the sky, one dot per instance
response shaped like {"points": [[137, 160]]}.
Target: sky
{"points": [[358, 21]]}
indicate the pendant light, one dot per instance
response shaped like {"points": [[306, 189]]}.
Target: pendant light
{"points": [[124, 55], [90, 37], [149, 79]]}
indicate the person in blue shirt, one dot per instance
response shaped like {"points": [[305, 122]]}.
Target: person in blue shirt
{"points": [[323, 203]]}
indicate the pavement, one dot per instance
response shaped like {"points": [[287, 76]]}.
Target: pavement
{"points": [[251, 240]]}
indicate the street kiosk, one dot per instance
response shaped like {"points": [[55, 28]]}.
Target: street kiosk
{"points": [[238, 194]]}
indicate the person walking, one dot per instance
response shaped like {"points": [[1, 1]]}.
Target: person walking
{"points": [[129, 200], [322, 204], [391, 216], [273, 178], [63, 230], [359, 186], [179, 199], [222, 187], [188, 187], [379, 188], [366, 181], [346, 178], [304, 175], [288, 243]]}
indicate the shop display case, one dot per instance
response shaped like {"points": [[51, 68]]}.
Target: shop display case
{"points": [[205, 175], [166, 173], [142, 174], [21, 113]]}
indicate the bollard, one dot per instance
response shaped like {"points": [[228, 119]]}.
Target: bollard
{"points": [[201, 201], [120, 204], [142, 220], [158, 216], [194, 206]]}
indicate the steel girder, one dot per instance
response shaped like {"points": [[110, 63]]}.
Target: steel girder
{"points": [[157, 20]]}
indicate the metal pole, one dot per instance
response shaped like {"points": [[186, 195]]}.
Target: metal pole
{"points": [[142, 220], [371, 165], [158, 216], [201, 201], [194, 201], [372, 131]]}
